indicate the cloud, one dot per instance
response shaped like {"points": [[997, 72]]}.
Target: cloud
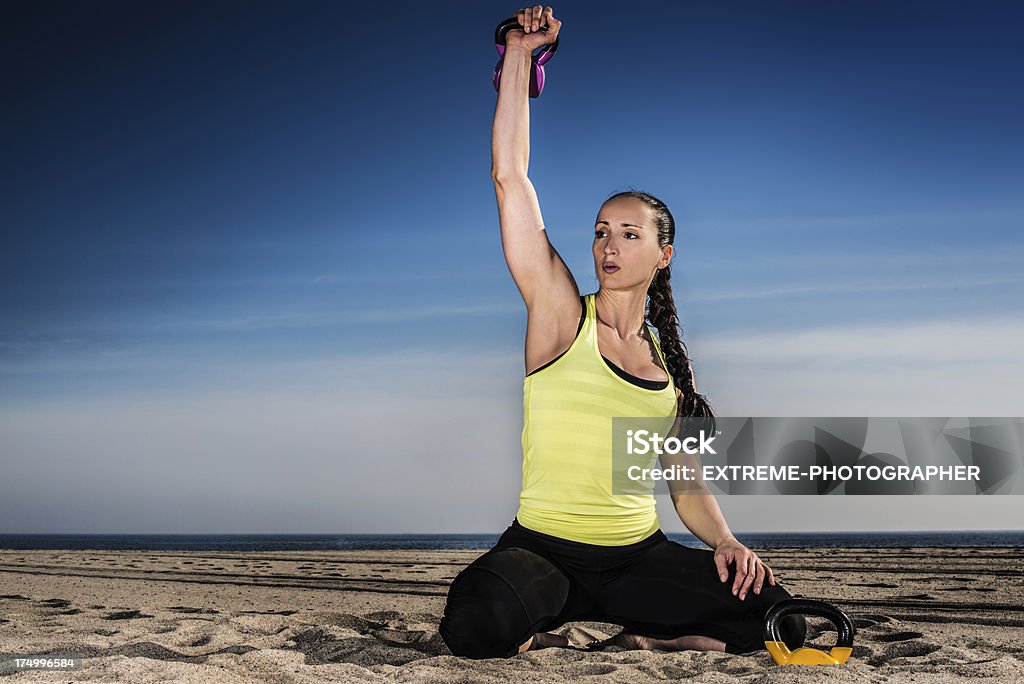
{"points": [[429, 441], [941, 342], [429, 274], [829, 287], [775, 225], [305, 319], [288, 319], [351, 443], [960, 367]]}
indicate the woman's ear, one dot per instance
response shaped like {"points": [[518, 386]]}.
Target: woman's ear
{"points": [[666, 256]]}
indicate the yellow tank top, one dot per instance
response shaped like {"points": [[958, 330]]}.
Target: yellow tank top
{"points": [[568, 408]]}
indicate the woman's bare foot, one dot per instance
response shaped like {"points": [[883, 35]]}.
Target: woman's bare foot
{"points": [[545, 640], [635, 642]]}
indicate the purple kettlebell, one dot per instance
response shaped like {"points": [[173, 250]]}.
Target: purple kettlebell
{"points": [[539, 58]]}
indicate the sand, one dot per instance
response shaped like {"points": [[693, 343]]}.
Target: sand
{"points": [[923, 615]]}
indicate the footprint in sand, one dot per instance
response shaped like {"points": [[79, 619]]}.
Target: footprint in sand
{"points": [[268, 612], [126, 615], [876, 617], [860, 652], [899, 636], [876, 585], [189, 609], [903, 649], [353, 622], [735, 670], [595, 669], [385, 615], [56, 603]]}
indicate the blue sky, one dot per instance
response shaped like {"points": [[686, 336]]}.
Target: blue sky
{"points": [[236, 227]]}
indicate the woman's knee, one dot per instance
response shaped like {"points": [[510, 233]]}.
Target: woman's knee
{"points": [[482, 616], [496, 602]]}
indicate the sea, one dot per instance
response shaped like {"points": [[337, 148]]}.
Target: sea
{"points": [[432, 542]]}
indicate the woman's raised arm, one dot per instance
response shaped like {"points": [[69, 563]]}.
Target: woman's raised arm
{"points": [[535, 265]]}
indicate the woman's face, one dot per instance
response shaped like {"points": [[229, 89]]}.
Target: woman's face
{"points": [[625, 236]]}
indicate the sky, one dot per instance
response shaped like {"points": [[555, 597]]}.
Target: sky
{"points": [[252, 277]]}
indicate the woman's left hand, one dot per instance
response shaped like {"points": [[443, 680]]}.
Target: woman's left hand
{"points": [[749, 568]]}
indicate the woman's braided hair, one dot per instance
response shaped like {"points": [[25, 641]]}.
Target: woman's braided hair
{"points": [[661, 312]]}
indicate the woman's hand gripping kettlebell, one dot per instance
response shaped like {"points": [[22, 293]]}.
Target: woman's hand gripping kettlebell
{"points": [[538, 28]]}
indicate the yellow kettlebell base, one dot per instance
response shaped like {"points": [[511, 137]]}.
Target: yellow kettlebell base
{"points": [[806, 656]]}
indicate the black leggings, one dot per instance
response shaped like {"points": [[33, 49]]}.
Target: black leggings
{"points": [[533, 582]]}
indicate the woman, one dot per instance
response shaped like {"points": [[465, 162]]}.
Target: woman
{"points": [[576, 549]]}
